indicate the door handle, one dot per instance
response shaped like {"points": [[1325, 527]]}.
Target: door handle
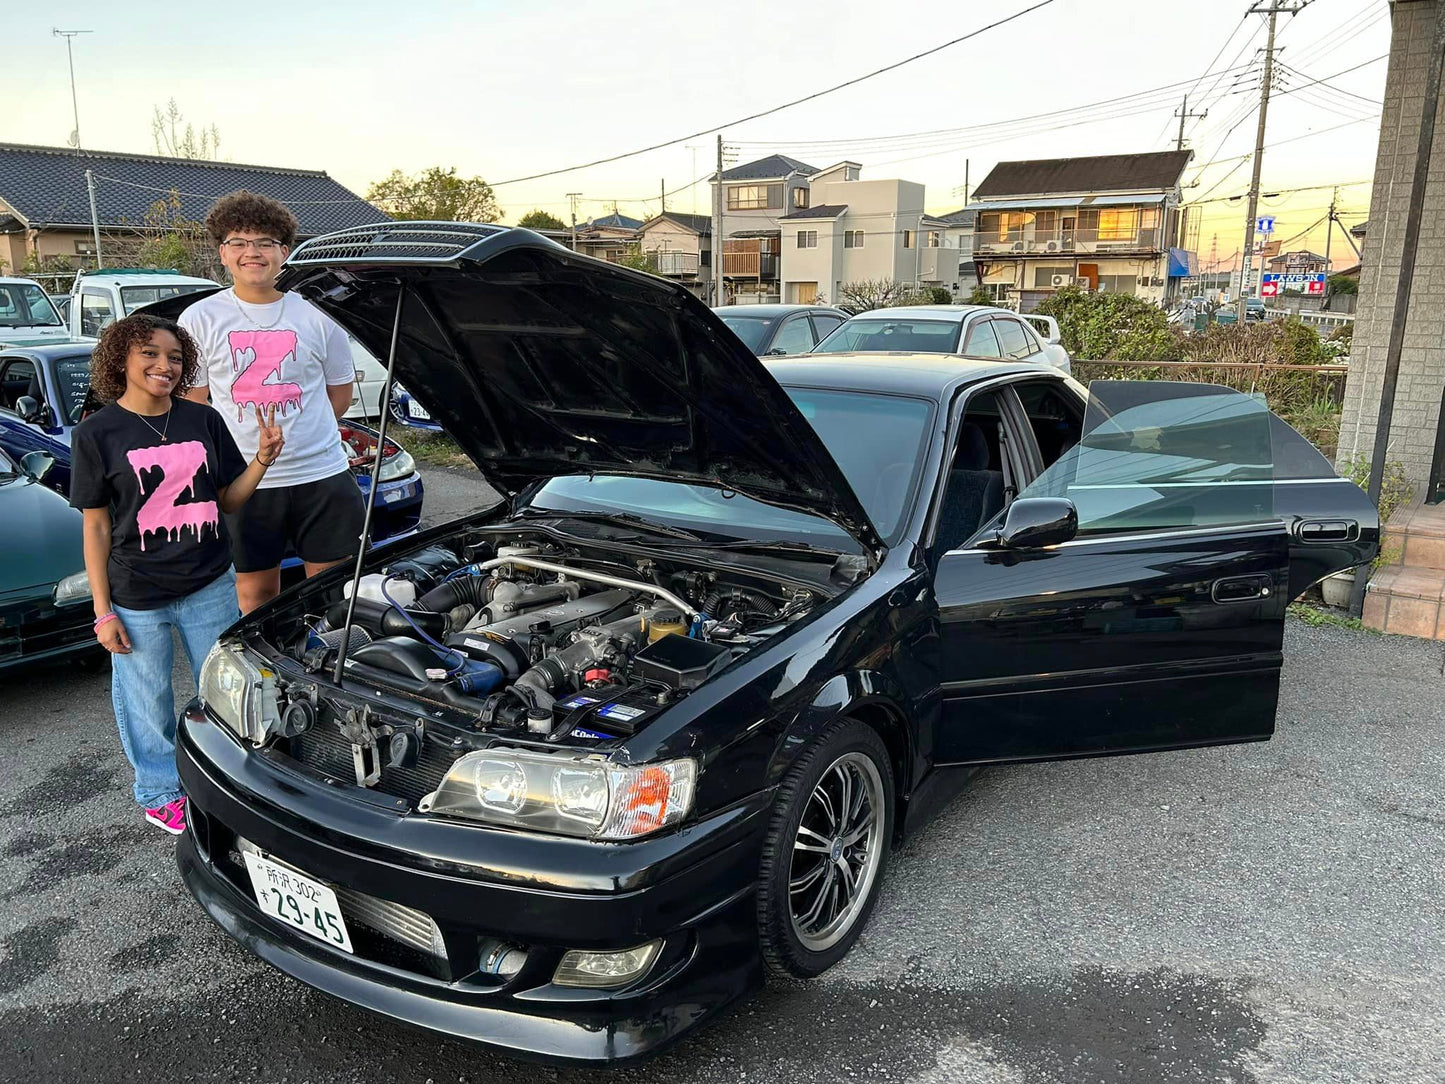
{"points": [[1241, 589], [1325, 531]]}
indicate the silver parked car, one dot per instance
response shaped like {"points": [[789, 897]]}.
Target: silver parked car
{"points": [[979, 331]]}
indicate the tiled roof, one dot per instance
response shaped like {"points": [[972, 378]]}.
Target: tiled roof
{"points": [[767, 169], [46, 186], [964, 216], [616, 221], [701, 224], [1106, 173], [823, 210]]}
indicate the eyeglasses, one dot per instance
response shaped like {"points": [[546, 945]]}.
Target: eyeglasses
{"points": [[261, 244]]}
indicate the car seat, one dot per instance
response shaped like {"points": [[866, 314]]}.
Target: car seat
{"points": [[974, 493]]}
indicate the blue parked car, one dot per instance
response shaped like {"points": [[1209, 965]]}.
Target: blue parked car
{"points": [[43, 393]]}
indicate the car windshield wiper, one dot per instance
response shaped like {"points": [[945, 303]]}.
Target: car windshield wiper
{"points": [[619, 519], [760, 545]]}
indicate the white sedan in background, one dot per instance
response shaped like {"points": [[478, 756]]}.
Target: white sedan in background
{"points": [[979, 331]]}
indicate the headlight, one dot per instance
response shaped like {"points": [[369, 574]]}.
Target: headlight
{"points": [[74, 588], [238, 692], [564, 795], [398, 466]]}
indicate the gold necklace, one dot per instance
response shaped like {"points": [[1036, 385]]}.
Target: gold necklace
{"points": [[158, 432]]}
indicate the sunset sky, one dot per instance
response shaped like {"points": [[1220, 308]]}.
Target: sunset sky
{"points": [[359, 88]]}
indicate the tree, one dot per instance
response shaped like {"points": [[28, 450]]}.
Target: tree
{"points": [[640, 261], [176, 137], [435, 194], [541, 220], [979, 296], [871, 294], [167, 239]]}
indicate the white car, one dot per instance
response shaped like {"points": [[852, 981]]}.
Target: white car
{"points": [[978, 331], [99, 297], [27, 314]]}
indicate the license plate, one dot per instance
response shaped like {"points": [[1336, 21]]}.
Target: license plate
{"points": [[297, 900], [416, 410]]}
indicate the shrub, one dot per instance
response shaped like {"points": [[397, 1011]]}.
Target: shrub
{"points": [[1395, 488], [979, 296], [1116, 326]]}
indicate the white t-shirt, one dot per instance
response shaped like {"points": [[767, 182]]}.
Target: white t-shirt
{"points": [[282, 354]]}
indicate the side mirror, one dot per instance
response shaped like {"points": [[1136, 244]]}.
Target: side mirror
{"points": [[37, 464], [1032, 522], [28, 407]]}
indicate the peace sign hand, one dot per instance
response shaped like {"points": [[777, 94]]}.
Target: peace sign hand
{"points": [[272, 440]]}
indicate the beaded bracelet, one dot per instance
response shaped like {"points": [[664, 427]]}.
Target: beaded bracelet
{"points": [[102, 619]]}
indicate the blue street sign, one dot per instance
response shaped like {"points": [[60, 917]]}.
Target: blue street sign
{"points": [[1264, 224]]}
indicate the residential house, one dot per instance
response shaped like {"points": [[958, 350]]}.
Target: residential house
{"points": [[756, 196], [1109, 223], [610, 237], [958, 234], [679, 246], [45, 206], [1302, 262], [856, 230]]}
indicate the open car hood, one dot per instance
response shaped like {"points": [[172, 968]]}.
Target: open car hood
{"points": [[540, 362]]}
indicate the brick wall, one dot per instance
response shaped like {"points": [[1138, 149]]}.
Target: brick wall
{"points": [[1422, 362]]}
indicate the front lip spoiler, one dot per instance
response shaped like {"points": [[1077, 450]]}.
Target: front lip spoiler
{"points": [[591, 1039]]}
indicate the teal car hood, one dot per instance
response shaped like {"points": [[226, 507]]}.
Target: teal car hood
{"points": [[40, 536]]}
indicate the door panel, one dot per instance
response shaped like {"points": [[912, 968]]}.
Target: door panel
{"points": [[1111, 645]]}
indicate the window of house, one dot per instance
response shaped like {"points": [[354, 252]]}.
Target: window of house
{"points": [[1044, 276], [907, 238], [1118, 223], [852, 238], [85, 248], [807, 238], [800, 197], [990, 227], [754, 197], [1118, 284], [1046, 223], [933, 238]]}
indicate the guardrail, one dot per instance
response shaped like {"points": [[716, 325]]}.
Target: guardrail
{"points": [[1316, 319]]}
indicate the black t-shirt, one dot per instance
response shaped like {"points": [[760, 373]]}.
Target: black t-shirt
{"points": [[167, 537]]}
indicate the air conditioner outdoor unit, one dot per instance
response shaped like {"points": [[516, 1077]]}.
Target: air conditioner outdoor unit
{"points": [[1051, 246], [1061, 280], [1018, 246]]}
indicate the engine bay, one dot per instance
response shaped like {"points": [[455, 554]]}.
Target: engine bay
{"points": [[525, 639]]}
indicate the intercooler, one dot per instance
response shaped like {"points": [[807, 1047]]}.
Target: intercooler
{"points": [[323, 749]]}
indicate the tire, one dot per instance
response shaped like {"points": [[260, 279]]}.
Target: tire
{"points": [[804, 932]]}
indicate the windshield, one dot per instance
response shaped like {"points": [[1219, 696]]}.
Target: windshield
{"points": [[875, 333], [134, 297], [878, 441], [72, 377], [752, 330], [24, 304]]}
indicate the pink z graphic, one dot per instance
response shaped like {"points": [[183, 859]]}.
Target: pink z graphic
{"points": [[162, 510], [256, 358]]}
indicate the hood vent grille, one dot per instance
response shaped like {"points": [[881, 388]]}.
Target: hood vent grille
{"points": [[411, 242]]}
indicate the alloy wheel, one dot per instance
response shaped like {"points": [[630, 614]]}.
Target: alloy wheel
{"points": [[837, 851]]}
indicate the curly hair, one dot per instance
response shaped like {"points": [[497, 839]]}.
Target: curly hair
{"points": [[107, 362], [251, 212]]}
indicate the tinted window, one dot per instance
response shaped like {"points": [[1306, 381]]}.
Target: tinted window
{"points": [[72, 377], [794, 337], [1011, 338], [1056, 417], [981, 341], [16, 381], [909, 335], [133, 297], [877, 440], [752, 330], [823, 324]]}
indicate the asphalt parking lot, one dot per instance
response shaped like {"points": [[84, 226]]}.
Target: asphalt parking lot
{"points": [[1262, 913]]}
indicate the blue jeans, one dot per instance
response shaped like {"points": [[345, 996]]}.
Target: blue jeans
{"points": [[140, 684]]}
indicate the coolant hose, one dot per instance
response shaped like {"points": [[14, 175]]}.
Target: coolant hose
{"points": [[738, 599]]}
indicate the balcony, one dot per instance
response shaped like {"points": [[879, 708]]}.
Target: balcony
{"points": [[676, 264], [750, 264], [1029, 242]]}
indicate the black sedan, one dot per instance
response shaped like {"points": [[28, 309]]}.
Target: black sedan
{"points": [[780, 329], [581, 768]]}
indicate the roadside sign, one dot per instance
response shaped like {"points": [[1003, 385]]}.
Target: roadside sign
{"points": [[1269, 287], [1264, 224], [1316, 283]]}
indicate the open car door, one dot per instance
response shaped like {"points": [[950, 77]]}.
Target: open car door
{"points": [[1157, 623]]}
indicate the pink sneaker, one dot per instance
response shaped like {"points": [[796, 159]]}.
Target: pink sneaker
{"points": [[171, 817]]}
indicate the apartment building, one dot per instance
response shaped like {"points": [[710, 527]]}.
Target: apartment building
{"points": [[1109, 223]]}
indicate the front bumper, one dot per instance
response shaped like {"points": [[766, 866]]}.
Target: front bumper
{"points": [[36, 630], [692, 889]]}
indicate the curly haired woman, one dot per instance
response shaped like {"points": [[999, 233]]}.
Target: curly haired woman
{"points": [[151, 473]]}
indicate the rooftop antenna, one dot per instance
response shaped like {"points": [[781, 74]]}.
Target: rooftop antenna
{"points": [[371, 492], [68, 35]]}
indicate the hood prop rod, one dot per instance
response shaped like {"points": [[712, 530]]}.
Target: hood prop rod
{"points": [[371, 492]]}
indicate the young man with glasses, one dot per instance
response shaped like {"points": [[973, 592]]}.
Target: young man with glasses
{"points": [[264, 349]]}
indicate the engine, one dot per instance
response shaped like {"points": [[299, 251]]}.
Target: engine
{"points": [[530, 637]]}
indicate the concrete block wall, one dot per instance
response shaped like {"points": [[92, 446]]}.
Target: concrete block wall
{"points": [[1422, 363]]}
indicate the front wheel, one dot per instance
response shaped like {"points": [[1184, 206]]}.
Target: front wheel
{"points": [[825, 851]]}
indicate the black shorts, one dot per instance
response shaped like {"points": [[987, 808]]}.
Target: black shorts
{"points": [[318, 521]]}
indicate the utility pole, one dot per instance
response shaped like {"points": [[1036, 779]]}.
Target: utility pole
{"points": [[94, 218], [1184, 115], [664, 197], [965, 182], [573, 197], [68, 35], [717, 229], [1289, 7], [1329, 236]]}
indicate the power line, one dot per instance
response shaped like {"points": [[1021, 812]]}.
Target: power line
{"points": [[1330, 86], [786, 105]]}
